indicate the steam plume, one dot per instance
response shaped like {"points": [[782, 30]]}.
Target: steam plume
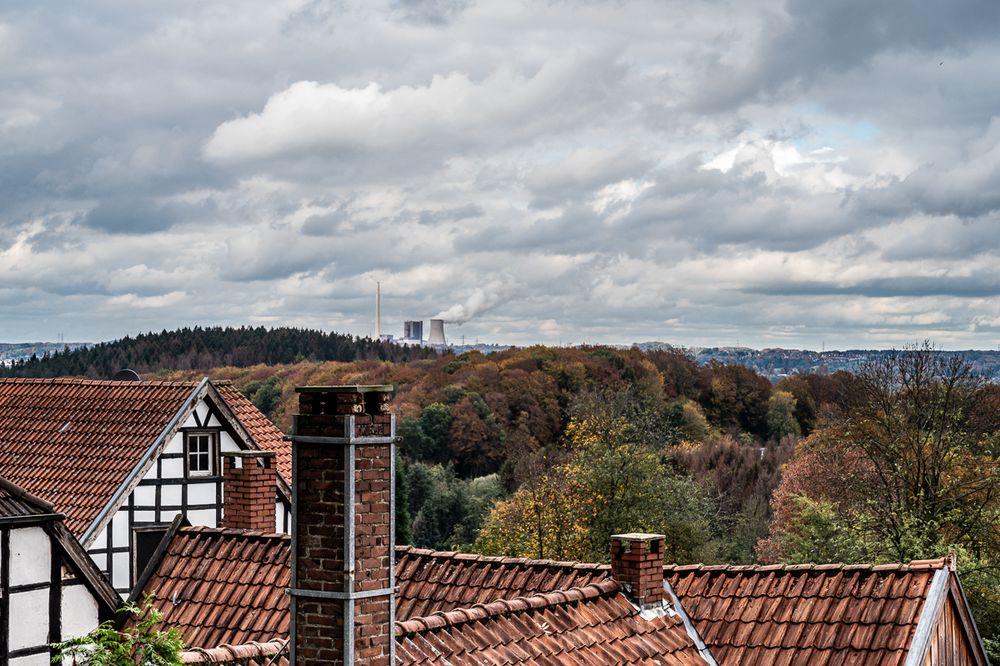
{"points": [[481, 300]]}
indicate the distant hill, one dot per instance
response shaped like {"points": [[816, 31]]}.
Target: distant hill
{"points": [[202, 348], [777, 363]]}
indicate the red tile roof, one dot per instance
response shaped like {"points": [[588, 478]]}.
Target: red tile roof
{"points": [[431, 581], [15, 502], [73, 442], [466, 609], [247, 654], [265, 434], [805, 614], [223, 586], [584, 625]]}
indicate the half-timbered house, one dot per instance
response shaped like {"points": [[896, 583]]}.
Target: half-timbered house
{"points": [[50, 589], [122, 458]]}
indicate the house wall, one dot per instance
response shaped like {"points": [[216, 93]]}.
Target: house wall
{"points": [[41, 602], [163, 493], [948, 644]]}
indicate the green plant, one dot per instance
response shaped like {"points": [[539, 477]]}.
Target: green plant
{"points": [[140, 643]]}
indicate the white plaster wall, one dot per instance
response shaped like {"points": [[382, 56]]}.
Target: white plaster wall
{"points": [[30, 557], [79, 611], [32, 660], [119, 529], [279, 517], [144, 495], [201, 493], [203, 517], [171, 495], [29, 617], [176, 443], [120, 571]]}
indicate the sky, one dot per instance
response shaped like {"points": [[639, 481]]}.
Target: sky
{"points": [[764, 173]]}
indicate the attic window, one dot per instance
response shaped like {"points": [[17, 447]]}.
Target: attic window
{"points": [[200, 453]]}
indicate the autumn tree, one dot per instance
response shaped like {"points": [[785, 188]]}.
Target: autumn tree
{"points": [[907, 469]]}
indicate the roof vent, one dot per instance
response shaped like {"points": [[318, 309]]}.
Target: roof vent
{"points": [[126, 375]]}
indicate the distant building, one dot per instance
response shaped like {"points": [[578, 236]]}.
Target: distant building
{"points": [[437, 333], [413, 330]]}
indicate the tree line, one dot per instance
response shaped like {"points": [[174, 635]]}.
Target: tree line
{"points": [[202, 348]]}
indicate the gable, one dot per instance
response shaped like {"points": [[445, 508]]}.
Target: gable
{"points": [[74, 442]]}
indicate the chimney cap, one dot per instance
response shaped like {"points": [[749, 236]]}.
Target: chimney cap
{"points": [[638, 536], [352, 388]]}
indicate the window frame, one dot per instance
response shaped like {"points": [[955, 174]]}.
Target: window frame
{"points": [[213, 454]]}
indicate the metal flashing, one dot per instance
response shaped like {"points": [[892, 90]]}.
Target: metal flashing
{"points": [[936, 597]]}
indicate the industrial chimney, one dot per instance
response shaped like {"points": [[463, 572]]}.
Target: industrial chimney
{"points": [[437, 333]]}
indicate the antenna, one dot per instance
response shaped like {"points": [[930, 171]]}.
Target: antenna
{"points": [[378, 310]]}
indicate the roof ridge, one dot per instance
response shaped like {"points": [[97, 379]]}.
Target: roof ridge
{"points": [[226, 653], [84, 381], [232, 531], [478, 612], [499, 559], [22, 494], [806, 567]]}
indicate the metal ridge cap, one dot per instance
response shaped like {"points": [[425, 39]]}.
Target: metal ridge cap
{"points": [[477, 612]]}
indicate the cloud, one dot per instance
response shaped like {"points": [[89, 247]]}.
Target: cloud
{"points": [[781, 172], [452, 111]]}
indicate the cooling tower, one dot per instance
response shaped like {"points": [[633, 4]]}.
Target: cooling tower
{"points": [[437, 333]]}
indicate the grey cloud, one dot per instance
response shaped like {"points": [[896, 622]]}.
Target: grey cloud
{"points": [[437, 12], [811, 39], [909, 286]]}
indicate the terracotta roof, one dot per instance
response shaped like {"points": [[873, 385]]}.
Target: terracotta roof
{"points": [[15, 502], [73, 441], [222, 586], [266, 435], [431, 581], [584, 625], [805, 614], [247, 654]]}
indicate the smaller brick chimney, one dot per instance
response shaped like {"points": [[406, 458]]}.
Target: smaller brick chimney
{"points": [[249, 486], [637, 563]]}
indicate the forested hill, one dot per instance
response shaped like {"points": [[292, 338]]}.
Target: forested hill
{"points": [[197, 348]]}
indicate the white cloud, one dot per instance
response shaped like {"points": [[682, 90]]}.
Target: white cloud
{"points": [[309, 117]]}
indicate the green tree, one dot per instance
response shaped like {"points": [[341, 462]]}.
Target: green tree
{"points": [[781, 420], [142, 643]]}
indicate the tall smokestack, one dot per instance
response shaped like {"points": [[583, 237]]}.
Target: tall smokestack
{"points": [[378, 310], [437, 333]]}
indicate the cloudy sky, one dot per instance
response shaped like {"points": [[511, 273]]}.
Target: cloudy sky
{"points": [[775, 173]]}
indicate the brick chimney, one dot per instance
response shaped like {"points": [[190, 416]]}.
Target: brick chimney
{"points": [[637, 563], [249, 486], [343, 475]]}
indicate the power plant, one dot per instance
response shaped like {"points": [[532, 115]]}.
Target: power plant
{"points": [[413, 331], [436, 337]]}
